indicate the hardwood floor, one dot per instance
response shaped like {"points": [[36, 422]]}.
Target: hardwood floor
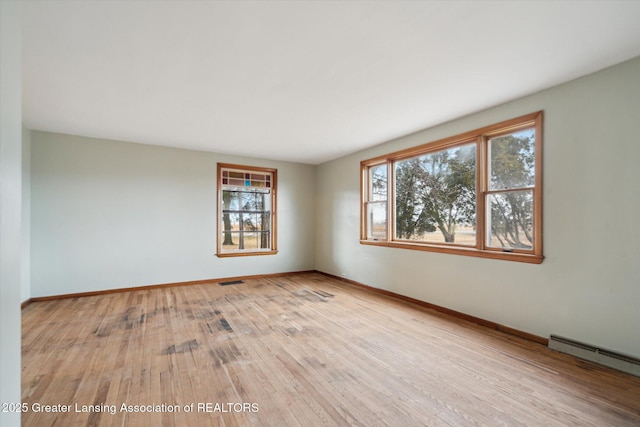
{"points": [[303, 350]]}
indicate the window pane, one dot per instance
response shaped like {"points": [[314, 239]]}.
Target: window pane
{"points": [[377, 220], [234, 222], [230, 240], [512, 160], [378, 182], [246, 219], [250, 240], [250, 222], [248, 201], [436, 196], [510, 220], [262, 221], [229, 200]]}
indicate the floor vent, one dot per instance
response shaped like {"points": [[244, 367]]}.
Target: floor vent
{"points": [[621, 362], [231, 282]]}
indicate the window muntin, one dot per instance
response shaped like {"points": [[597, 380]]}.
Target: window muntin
{"points": [[246, 207], [477, 194]]}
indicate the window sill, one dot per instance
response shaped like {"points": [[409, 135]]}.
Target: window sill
{"points": [[459, 250], [244, 253]]}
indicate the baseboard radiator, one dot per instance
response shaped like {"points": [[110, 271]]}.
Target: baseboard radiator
{"points": [[620, 362]]}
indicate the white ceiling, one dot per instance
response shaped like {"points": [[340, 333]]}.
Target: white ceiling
{"points": [[300, 81]]}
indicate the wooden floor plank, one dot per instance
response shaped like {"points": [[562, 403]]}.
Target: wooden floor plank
{"points": [[305, 350]]}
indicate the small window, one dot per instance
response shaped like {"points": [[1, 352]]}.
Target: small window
{"points": [[246, 210], [376, 204], [477, 194]]}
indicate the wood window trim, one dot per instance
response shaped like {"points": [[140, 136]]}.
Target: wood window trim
{"points": [[480, 137], [274, 218]]}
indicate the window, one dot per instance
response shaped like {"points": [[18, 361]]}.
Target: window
{"points": [[477, 194], [377, 202], [246, 210]]}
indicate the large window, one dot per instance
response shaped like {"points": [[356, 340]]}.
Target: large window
{"points": [[246, 210], [477, 194]]}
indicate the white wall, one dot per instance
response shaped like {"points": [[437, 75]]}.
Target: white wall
{"points": [[25, 288], [108, 214], [588, 287], [10, 206]]}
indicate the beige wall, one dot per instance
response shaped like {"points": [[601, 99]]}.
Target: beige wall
{"points": [[108, 214], [11, 262], [588, 287], [25, 288]]}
